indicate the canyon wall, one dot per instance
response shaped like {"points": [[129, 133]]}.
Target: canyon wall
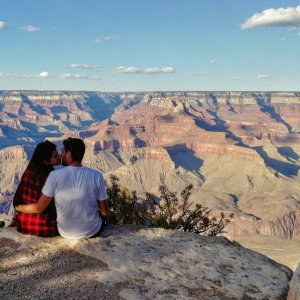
{"points": [[240, 150]]}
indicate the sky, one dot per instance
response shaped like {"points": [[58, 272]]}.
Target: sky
{"points": [[143, 45]]}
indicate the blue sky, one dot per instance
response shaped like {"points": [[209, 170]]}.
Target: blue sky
{"points": [[139, 45]]}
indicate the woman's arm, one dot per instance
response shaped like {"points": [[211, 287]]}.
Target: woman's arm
{"points": [[35, 208]]}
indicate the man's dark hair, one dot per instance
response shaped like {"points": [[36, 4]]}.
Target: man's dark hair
{"points": [[76, 147]]}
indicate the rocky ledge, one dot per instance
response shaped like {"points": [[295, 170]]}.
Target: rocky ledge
{"points": [[132, 262], [294, 292]]}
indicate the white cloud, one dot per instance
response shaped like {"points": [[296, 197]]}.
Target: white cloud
{"points": [[112, 37], [78, 76], [152, 70], [2, 25], [81, 66], [156, 70], [47, 75], [263, 76], [241, 77], [106, 38], [132, 70], [260, 76], [43, 75], [73, 76], [289, 16], [196, 73], [212, 61], [96, 41], [7, 75], [30, 28]]}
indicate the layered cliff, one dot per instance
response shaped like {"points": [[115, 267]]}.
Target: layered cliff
{"points": [[240, 150]]}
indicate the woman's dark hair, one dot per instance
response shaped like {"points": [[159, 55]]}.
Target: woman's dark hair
{"points": [[41, 155]]}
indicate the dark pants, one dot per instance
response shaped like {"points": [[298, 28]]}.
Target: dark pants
{"points": [[101, 228]]}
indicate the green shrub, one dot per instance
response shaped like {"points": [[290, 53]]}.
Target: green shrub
{"points": [[2, 224], [170, 213], [126, 207]]}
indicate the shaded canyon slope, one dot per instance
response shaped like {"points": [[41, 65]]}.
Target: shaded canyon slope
{"points": [[240, 150]]}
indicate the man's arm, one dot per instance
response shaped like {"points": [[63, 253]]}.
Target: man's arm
{"points": [[103, 208], [35, 208]]}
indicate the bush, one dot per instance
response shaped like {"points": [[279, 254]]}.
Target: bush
{"points": [[170, 213], [126, 207], [2, 224]]}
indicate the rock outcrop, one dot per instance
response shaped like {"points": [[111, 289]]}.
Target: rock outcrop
{"points": [[136, 263], [13, 161], [294, 289]]}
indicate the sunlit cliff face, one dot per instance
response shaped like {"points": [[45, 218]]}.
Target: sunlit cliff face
{"points": [[240, 150]]}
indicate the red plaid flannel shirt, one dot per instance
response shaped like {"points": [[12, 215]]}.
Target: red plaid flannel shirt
{"points": [[29, 191]]}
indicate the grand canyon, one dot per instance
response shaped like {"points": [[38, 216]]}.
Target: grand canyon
{"points": [[240, 150]]}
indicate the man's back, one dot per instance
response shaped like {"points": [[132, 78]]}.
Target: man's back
{"points": [[76, 191]]}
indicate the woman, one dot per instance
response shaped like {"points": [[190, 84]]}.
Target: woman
{"points": [[44, 224]]}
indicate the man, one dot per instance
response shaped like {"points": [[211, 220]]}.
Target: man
{"points": [[79, 194]]}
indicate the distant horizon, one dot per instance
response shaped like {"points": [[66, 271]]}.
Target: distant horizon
{"points": [[141, 45], [155, 91]]}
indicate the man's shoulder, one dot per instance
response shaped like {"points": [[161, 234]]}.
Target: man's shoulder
{"points": [[90, 169], [93, 171], [58, 172]]}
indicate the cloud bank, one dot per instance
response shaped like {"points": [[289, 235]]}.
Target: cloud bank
{"points": [[196, 73], [289, 16], [106, 38], [81, 66], [43, 75], [263, 76], [136, 70], [241, 78], [77, 76], [260, 76], [30, 28], [2, 25], [112, 37]]}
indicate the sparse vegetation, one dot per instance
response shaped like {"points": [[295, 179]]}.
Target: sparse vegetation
{"points": [[170, 213]]}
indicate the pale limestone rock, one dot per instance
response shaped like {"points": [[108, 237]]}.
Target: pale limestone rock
{"points": [[294, 291], [13, 161], [156, 263]]}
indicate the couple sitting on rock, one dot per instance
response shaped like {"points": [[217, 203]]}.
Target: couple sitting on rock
{"points": [[70, 201]]}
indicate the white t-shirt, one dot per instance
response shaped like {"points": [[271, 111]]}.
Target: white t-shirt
{"points": [[76, 191]]}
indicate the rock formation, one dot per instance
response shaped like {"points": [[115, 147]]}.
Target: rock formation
{"points": [[13, 161], [294, 287], [136, 263]]}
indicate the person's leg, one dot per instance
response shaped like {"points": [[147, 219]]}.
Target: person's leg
{"points": [[101, 228], [103, 225]]}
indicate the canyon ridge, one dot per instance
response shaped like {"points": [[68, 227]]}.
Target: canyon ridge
{"points": [[240, 150]]}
